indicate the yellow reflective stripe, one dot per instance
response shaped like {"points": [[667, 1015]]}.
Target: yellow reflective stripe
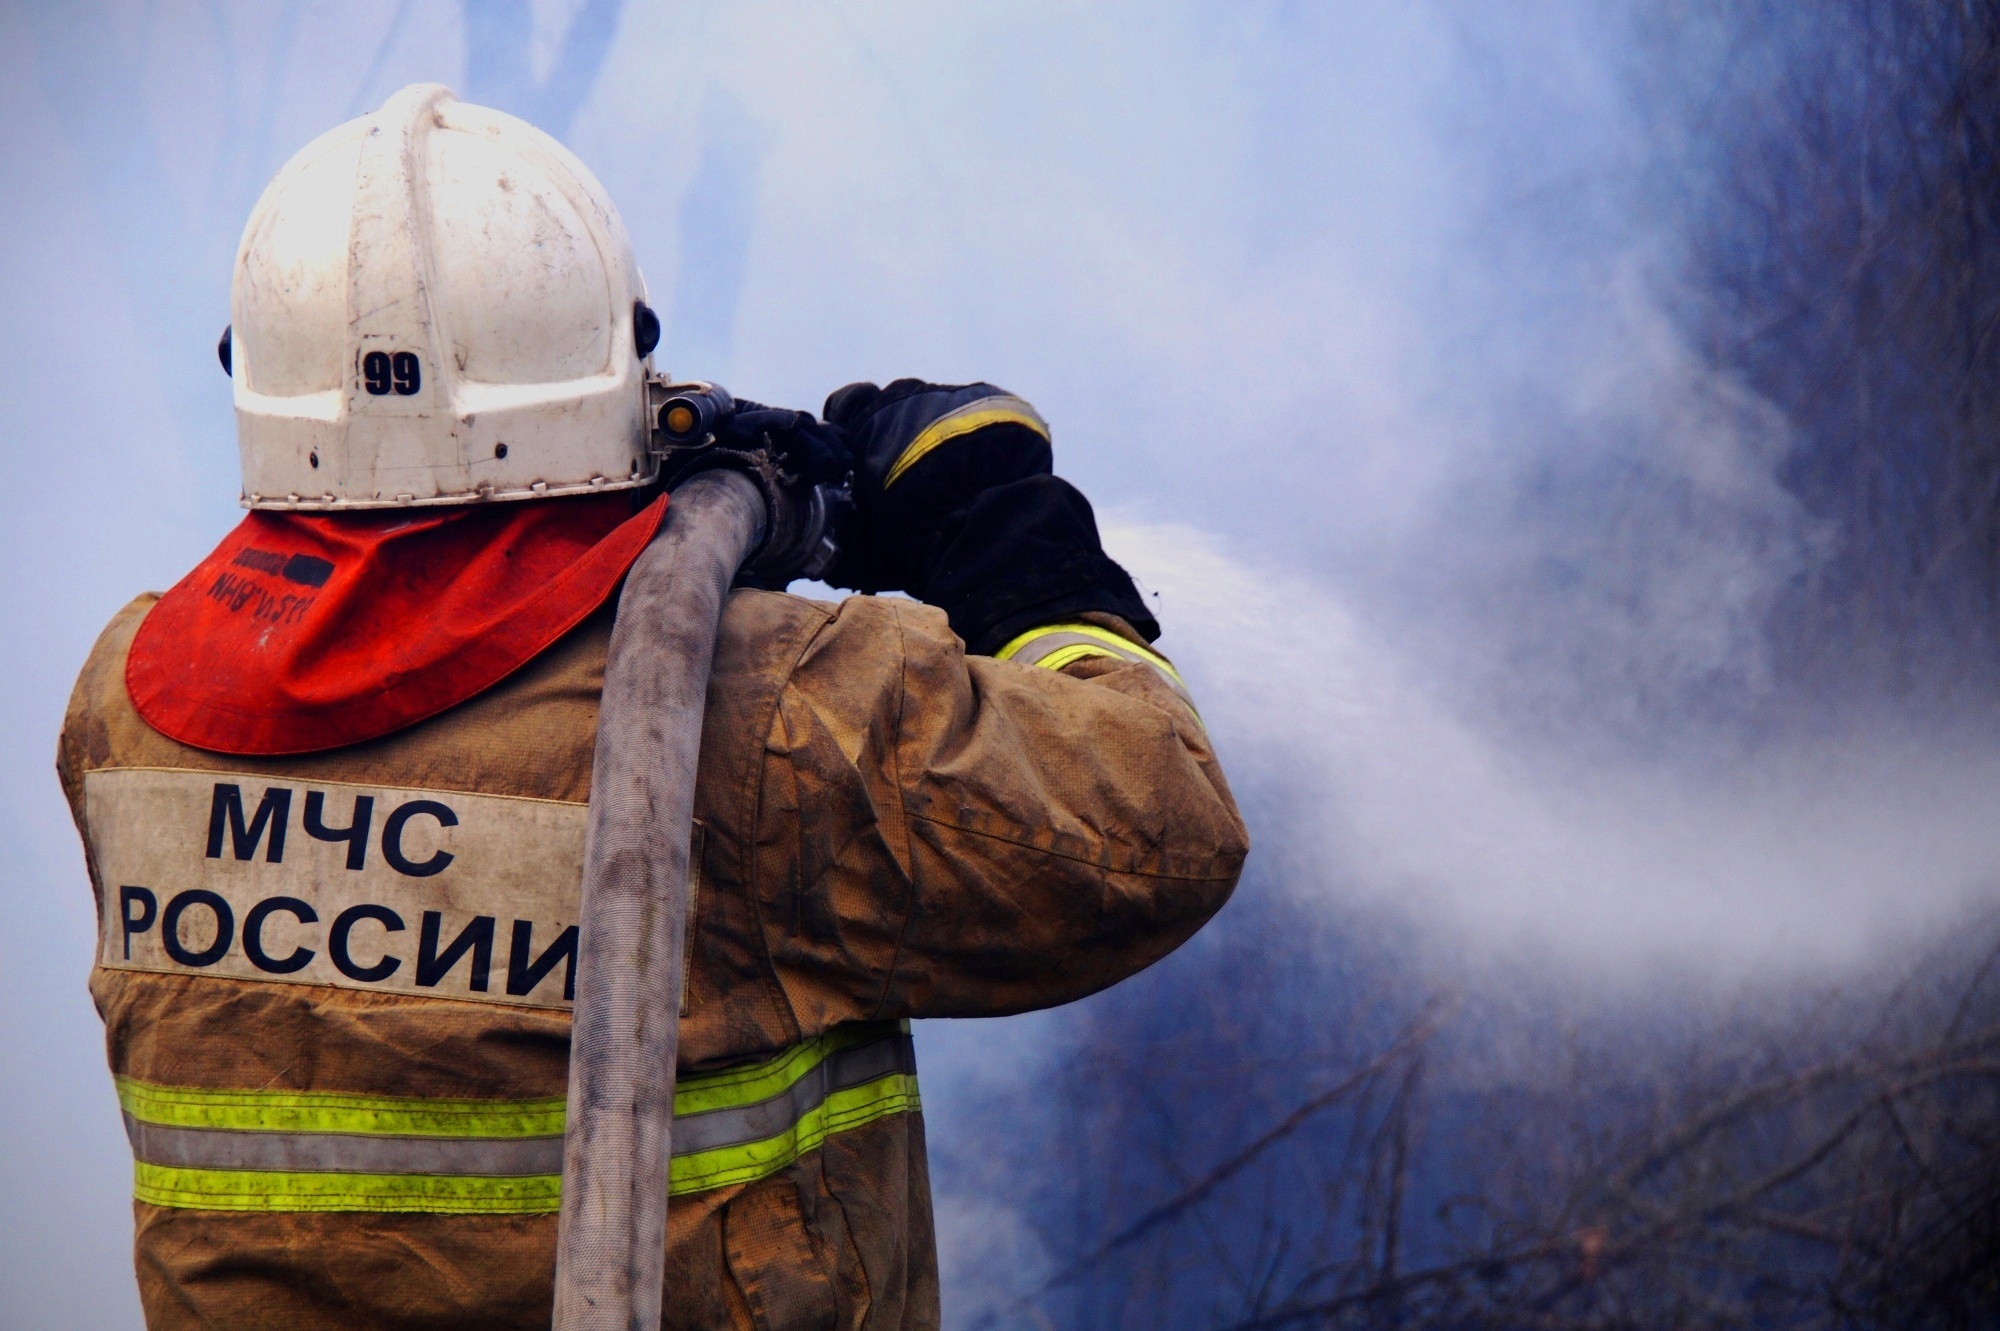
{"points": [[1114, 645], [734, 1087], [1053, 646], [401, 1116], [327, 1111], [974, 415], [842, 1111], [464, 1194], [256, 1190]]}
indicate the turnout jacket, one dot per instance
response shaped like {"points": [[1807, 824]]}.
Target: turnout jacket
{"points": [[336, 987]]}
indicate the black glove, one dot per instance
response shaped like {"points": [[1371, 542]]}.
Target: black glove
{"points": [[923, 452], [808, 448], [958, 506]]}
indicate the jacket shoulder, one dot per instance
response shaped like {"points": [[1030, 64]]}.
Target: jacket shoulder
{"points": [[851, 660], [100, 718], [794, 640]]}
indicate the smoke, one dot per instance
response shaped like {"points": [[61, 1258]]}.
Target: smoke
{"points": [[1372, 789]]}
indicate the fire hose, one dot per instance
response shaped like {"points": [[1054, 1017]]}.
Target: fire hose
{"points": [[730, 512]]}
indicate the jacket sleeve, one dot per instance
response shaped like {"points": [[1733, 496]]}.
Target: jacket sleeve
{"points": [[977, 836]]}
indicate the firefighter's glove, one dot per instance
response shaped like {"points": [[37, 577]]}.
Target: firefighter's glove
{"points": [[808, 448], [923, 452], [957, 504]]}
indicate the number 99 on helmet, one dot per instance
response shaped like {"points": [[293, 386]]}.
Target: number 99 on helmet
{"points": [[437, 304]]}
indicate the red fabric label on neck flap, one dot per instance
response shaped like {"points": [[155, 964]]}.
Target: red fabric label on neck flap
{"points": [[304, 632]]}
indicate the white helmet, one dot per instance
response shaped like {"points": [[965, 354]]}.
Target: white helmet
{"points": [[436, 304]]}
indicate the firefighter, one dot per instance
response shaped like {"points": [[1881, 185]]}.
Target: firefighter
{"points": [[332, 785]]}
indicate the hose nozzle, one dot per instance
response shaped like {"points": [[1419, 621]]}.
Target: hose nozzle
{"points": [[803, 519], [692, 413]]}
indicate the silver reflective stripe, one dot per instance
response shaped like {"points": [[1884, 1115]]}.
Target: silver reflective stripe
{"points": [[767, 1118], [363, 1153], [342, 1153]]}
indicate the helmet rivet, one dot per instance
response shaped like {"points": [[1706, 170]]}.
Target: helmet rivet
{"points": [[499, 450]]}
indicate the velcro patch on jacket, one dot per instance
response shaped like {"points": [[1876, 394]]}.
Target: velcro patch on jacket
{"points": [[436, 893]]}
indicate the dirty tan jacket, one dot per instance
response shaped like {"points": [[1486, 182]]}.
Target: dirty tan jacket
{"points": [[887, 829]]}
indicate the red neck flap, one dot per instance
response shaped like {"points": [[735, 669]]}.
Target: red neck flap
{"points": [[307, 632]]}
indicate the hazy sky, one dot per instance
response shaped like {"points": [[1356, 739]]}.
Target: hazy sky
{"points": [[1286, 278]]}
